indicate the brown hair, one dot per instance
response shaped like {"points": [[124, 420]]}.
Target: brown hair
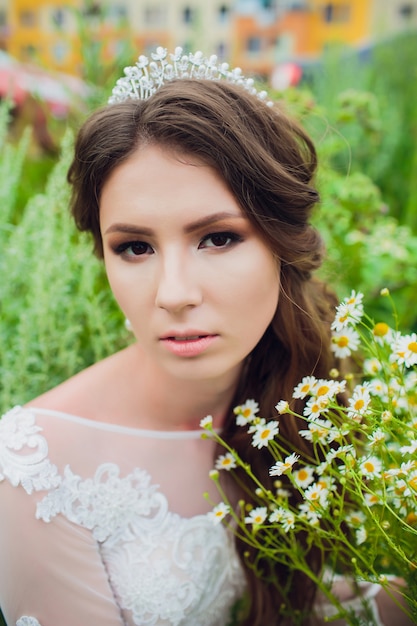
{"points": [[268, 162]]}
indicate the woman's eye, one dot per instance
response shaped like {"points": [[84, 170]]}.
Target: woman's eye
{"points": [[133, 248], [219, 240]]}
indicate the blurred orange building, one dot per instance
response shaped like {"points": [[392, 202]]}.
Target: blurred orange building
{"points": [[256, 35]]}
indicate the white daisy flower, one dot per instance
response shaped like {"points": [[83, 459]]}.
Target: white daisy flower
{"points": [[342, 317], [315, 407], [310, 512], [411, 449], [361, 536], [359, 402], [264, 433], [405, 350], [317, 432], [344, 342], [225, 462], [304, 476], [372, 366], [316, 493], [382, 333], [305, 387], [328, 389], [355, 518], [246, 413], [282, 407], [377, 437], [281, 467], [219, 513], [408, 468], [349, 311], [257, 516], [276, 515], [371, 467], [371, 499], [354, 302], [287, 521], [379, 388], [327, 482], [206, 422]]}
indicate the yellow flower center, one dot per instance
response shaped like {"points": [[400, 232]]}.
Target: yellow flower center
{"points": [[412, 346], [246, 412], [359, 404], [412, 400], [413, 483], [302, 474], [321, 391], [411, 519], [369, 466], [343, 341], [380, 329], [265, 434]]}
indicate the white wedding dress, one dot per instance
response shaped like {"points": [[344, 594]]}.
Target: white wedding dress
{"points": [[107, 525]]}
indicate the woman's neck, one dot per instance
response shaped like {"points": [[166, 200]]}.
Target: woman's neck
{"points": [[166, 402]]}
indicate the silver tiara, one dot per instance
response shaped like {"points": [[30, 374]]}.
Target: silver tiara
{"points": [[141, 80]]}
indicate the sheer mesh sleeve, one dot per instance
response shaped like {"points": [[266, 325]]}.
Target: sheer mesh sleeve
{"points": [[52, 572]]}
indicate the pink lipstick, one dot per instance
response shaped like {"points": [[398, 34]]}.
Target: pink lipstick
{"points": [[189, 345]]}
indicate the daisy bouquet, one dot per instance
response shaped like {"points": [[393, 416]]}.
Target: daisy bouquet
{"points": [[357, 492]]}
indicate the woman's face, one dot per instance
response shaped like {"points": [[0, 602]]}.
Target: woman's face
{"points": [[187, 268]]}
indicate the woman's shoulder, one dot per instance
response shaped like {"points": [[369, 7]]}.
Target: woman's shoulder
{"points": [[89, 394]]}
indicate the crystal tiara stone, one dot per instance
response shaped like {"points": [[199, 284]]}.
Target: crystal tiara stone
{"points": [[144, 78]]}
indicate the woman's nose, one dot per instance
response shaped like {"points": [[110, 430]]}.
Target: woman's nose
{"points": [[178, 285]]}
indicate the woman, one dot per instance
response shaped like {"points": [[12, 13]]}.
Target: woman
{"points": [[198, 195]]}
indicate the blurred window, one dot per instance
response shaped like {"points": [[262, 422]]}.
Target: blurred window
{"points": [[60, 51], [27, 18], [406, 11], [116, 13], [58, 17], [224, 13], [336, 12], [222, 51], [28, 52], [188, 15], [253, 45], [155, 15], [298, 6]]}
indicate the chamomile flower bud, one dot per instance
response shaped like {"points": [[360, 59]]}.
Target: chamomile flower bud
{"points": [[207, 422]]}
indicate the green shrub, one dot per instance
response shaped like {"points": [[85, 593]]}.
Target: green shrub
{"points": [[57, 313]]}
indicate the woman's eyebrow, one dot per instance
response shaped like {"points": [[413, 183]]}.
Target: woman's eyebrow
{"points": [[211, 219], [131, 229], [203, 222]]}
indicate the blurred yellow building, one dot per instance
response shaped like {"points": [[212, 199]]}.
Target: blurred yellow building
{"points": [[253, 34]]}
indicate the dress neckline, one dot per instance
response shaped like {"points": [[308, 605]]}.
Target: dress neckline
{"points": [[140, 432]]}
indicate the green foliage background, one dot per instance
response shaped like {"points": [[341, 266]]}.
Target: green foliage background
{"points": [[57, 314]]}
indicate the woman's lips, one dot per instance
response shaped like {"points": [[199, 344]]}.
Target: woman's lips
{"points": [[188, 345]]}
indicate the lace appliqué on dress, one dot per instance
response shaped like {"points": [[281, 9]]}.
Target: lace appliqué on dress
{"points": [[24, 453], [164, 569], [201, 574]]}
